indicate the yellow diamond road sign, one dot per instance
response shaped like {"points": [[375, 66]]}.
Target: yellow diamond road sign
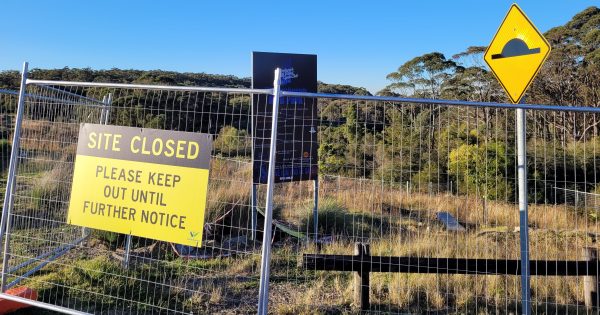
{"points": [[516, 53]]}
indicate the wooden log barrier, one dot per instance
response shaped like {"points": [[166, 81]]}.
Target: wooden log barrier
{"points": [[362, 263]]}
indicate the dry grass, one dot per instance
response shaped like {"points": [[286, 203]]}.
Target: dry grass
{"points": [[229, 189], [394, 222], [49, 137], [556, 232]]}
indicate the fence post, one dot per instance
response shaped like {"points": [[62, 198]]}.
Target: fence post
{"points": [[590, 283], [127, 254], [107, 112], [253, 211], [361, 277], [263, 294], [103, 109], [523, 217], [316, 209], [10, 182]]}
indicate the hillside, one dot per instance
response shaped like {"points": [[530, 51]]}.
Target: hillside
{"points": [[10, 79]]}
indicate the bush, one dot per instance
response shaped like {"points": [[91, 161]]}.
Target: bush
{"points": [[481, 169], [111, 239], [231, 142]]}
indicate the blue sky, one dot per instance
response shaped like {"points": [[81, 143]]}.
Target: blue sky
{"points": [[357, 42]]}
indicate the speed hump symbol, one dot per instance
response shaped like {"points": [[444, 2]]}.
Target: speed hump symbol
{"points": [[516, 53]]}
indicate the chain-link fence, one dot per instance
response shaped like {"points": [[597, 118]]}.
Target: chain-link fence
{"points": [[417, 207]]}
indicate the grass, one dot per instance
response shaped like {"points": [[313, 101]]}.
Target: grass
{"points": [[393, 221], [400, 224], [99, 283]]}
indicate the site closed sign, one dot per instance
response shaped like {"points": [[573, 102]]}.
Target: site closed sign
{"points": [[144, 182]]}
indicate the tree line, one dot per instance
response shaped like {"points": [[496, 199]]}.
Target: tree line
{"points": [[471, 150]]}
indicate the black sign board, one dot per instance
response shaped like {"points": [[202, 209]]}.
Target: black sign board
{"points": [[296, 156]]}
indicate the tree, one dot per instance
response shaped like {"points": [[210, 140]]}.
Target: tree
{"points": [[475, 82], [423, 76], [571, 75]]}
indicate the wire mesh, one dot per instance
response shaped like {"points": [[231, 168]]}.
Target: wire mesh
{"points": [[409, 180], [86, 273], [433, 181], [8, 105]]}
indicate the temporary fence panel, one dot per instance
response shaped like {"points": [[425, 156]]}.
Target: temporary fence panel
{"points": [[391, 168], [397, 178], [83, 270]]}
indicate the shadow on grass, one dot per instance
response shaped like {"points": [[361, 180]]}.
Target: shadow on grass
{"points": [[336, 220]]}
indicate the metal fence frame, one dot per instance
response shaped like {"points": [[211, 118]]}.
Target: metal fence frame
{"points": [[8, 204], [277, 92], [63, 249]]}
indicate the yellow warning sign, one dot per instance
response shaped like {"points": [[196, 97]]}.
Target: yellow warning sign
{"points": [[144, 182], [516, 53]]}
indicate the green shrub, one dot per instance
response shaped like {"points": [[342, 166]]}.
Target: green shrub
{"points": [[481, 169], [231, 142], [110, 238]]}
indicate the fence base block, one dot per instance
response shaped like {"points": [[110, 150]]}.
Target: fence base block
{"points": [[7, 306]]}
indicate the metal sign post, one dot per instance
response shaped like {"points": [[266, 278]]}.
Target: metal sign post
{"points": [[253, 198], [515, 56], [297, 159], [254, 213], [523, 216]]}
